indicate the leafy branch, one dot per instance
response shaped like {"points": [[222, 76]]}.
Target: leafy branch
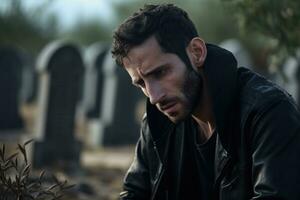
{"points": [[16, 181]]}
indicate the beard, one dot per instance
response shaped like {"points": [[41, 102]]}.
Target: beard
{"points": [[191, 91]]}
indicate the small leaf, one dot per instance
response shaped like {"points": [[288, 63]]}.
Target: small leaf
{"points": [[32, 185], [48, 193], [42, 174], [24, 178], [29, 141], [17, 179], [16, 163], [52, 187], [23, 151], [26, 169]]}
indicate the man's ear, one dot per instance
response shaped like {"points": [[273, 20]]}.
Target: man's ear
{"points": [[197, 52]]}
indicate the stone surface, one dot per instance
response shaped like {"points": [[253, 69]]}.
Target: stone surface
{"points": [[11, 67], [94, 78], [118, 118], [60, 69]]}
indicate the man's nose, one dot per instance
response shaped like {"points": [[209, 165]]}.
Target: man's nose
{"points": [[155, 94]]}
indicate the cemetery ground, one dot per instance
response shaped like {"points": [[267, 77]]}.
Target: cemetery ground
{"points": [[103, 171]]}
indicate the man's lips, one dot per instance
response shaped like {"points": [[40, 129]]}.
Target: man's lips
{"points": [[167, 107]]}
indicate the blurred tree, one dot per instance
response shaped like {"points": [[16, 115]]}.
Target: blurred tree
{"points": [[212, 21], [88, 32], [26, 29], [277, 21]]}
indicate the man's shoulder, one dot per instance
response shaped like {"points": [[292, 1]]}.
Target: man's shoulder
{"points": [[257, 91]]}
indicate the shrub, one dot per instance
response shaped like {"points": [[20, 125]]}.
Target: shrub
{"points": [[17, 182]]}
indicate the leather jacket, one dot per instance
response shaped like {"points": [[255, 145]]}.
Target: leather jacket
{"points": [[257, 145]]}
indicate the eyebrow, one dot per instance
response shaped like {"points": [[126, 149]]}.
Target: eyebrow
{"points": [[153, 70]]}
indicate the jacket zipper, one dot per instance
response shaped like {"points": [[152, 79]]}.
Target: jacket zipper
{"points": [[216, 186], [162, 168], [160, 173]]}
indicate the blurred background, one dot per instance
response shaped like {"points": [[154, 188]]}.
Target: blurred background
{"points": [[60, 86]]}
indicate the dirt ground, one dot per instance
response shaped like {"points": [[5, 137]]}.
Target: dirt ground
{"points": [[101, 175]]}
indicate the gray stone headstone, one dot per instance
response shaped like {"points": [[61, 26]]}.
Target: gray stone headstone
{"points": [[11, 67], [94, 78], [118, 120], [93, 90], [60, 68], [29, 80]]}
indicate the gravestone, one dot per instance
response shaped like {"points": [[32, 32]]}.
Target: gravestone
{"points": [[11, 122], [93, 80], [29, 80], [60, 68], [118, 119], [93, 89]]}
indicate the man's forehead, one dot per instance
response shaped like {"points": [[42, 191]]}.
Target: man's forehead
{"points": [[149, 49], [132, 67], [134, 58], [135, 70], [130, 62], [136, 62]]}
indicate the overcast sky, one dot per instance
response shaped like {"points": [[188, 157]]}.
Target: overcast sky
{"points": [[70, 11]]}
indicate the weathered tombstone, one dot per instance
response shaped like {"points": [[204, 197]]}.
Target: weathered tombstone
{"points": [[11, 122], [60, 68], [29, 80], [118, 109], [93, 89], [93, 81]]}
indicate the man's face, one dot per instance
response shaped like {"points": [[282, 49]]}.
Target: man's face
{"points": [[164, 78]]}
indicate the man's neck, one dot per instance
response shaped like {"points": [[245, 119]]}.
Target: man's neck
{"points": [[205, 130], [203, 115]]}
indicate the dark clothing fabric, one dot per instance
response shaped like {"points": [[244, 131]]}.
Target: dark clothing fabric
{"points": [[188, 183], [205, 158], [196, 180], [257, 140]]}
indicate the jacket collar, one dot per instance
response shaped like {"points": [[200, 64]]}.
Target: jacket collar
{"points": [[220, 69]]}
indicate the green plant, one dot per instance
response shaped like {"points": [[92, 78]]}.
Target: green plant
{"points": [[17, 183], [277, 23]]}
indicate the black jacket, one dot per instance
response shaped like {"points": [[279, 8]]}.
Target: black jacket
{"points": [[258, 141]]}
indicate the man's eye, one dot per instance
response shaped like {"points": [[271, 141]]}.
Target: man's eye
{"points": [[159, 73], [140, 83]]}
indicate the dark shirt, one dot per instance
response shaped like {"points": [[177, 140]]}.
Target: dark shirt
{"points": [[205, 156], [197, 171]]}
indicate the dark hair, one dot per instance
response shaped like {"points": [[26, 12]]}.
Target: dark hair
{"points": [[169, 24]]}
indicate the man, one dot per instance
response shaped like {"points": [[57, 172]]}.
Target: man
{"points": [[211, 130]]}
